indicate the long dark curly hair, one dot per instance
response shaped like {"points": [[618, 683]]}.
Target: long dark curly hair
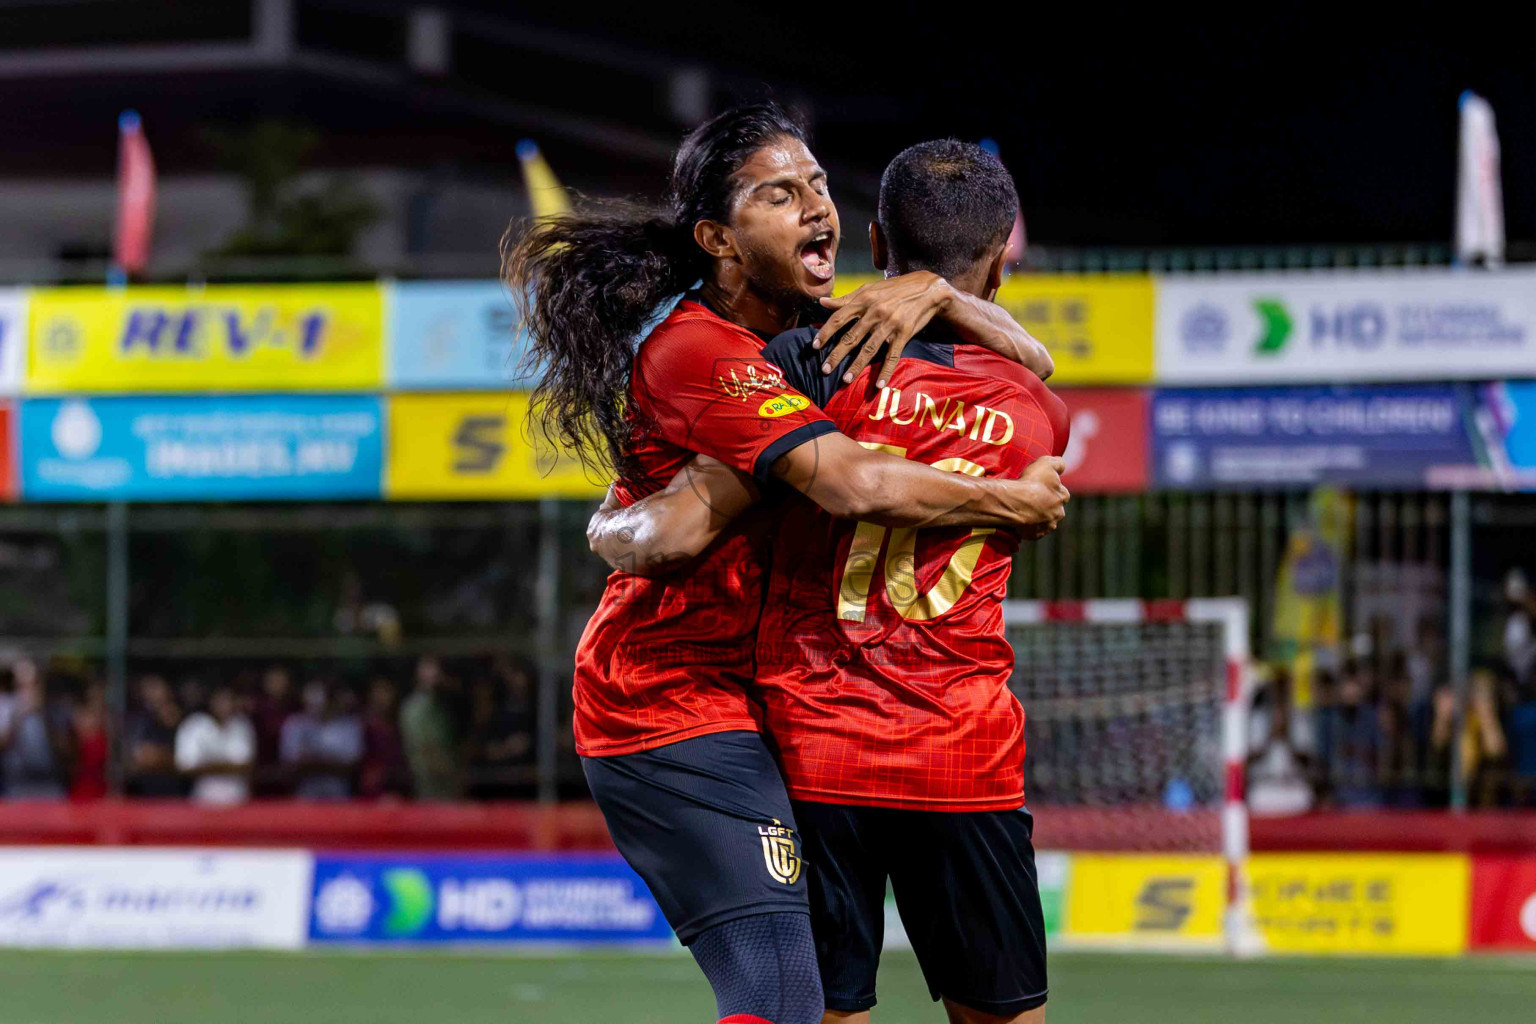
{"points": [[587, 282]]}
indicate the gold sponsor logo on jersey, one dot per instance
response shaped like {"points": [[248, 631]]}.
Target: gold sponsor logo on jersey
{"points": [[779, 852], [921, 411], [744, 381], [782, 405]]}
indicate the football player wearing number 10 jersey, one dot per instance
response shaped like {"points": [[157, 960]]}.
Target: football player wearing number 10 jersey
{"points": [[882, 663]]}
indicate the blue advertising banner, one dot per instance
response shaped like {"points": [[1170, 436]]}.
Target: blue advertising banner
{"points": [[426, 898], [1364, 436], [205, 448], [448, 335]]}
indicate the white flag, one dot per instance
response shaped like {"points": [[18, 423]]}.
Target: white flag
{"points": [[1479, 194]]}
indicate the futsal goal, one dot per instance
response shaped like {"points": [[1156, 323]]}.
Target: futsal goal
{"points": [[1136, 718]]}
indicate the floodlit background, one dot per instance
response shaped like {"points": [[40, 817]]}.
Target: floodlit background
{"points": [[261, 447]]}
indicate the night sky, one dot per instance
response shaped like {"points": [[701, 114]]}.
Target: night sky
{"points": [[1240, 124]]}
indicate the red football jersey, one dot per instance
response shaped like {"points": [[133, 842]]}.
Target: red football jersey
{"points": [[667, 658], [882, 662]]}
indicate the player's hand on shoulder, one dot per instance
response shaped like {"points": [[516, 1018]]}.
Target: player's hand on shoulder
{"points": [[882, 314], [1045, 495]]}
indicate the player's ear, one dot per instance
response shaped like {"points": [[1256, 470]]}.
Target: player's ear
{"points": [[715, 238], [877, 248], [996, 271]]}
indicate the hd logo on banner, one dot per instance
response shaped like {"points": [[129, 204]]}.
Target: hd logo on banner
{"points": [[1098, 329], [495, 899], [203, 448], [1407, 325], [324, 337]]}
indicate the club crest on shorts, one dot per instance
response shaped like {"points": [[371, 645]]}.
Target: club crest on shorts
{"points": [[779, 852]]}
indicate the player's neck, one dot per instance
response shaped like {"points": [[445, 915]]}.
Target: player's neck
{"points": [[741, 304], [972, 282]]}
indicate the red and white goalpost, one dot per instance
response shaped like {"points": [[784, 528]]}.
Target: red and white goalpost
{"points": [[1137, 729]]}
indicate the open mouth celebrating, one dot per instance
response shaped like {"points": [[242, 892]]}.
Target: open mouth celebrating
{"points": [[816, 254]]}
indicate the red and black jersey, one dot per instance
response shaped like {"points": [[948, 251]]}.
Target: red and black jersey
{"points": [[882, 662], [667, 658]]}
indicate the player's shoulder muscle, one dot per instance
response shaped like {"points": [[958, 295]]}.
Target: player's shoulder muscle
{"points": [[979, 360]]}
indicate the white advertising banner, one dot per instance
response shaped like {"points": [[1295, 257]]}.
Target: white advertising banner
{"points": [[1379, 326], [153, 898], [13, 340]]}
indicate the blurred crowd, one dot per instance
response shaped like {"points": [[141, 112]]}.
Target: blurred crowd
{"points": [[448, 733], [1386, 728]]}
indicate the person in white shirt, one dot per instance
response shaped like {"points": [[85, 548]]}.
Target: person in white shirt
{"points": [[217, 747]]}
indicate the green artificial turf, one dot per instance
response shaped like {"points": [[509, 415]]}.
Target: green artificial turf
{"points": [[465, 988]]}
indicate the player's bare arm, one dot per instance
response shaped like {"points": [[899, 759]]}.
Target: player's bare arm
{"points": [[665, 530], [669, 528], [889, 313]]}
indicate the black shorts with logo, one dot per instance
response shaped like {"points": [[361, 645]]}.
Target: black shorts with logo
{"points": [[707, 824], [965, 888]]}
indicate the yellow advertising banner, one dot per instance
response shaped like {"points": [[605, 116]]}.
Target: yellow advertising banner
{"points": [[1098, 329], [1409, 904], [324, 337], [1152, 901], [474, 446]]}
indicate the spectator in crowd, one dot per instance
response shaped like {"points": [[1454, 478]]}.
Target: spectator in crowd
{"points": [[1279, 775], [1401, 753], [30, 754], [384, 768], [1484, 747], [217, 747], [1351, 739], [426, 727], [500, 732], [1520, 629], [88, 778], [323, 744], [273, 705], [152, 741]]}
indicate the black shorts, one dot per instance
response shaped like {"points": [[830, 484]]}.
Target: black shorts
{"points": [[707, 823], [966, 890]]}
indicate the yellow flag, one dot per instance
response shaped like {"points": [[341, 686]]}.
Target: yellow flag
{"points": [[545, 193]]}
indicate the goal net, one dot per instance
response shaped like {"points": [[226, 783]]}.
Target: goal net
{"points": [[1135, 731]]}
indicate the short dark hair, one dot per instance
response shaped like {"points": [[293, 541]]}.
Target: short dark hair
{"points": [[944, 205]]}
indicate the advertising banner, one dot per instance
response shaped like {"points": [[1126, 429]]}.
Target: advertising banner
{"points": [[1098, 329], [453, 335], [202, 448], [1403, 325], [321, 337], [7, 451], [1107, 452], [13, 340], [1504, 902], [471, 447], [1360, 435], [571, 898], [1409, 904], [152, 898], [1145, 901]]}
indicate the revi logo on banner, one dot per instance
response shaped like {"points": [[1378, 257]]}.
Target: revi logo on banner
{"points": [[147, 898], [1404, 325]]}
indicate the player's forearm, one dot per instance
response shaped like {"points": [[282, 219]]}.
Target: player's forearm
{"points": [[894, 492], [643, 540], [989, 325]]}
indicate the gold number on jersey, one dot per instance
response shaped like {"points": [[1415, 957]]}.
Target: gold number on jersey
{"points": [[901, 561]]}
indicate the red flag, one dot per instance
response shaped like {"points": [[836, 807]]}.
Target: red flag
{"points": [[1016, 239], [135, 195]]}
